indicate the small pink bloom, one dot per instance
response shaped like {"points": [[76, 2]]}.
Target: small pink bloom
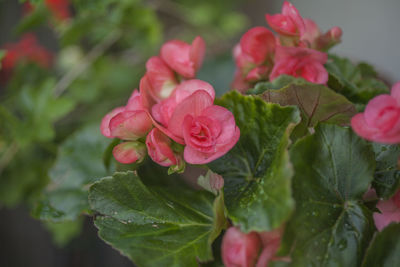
{"points": [[159, 148], [258, 44], [289, 22], [105, 122], [183, 58], [130, 125], [390, 212], [380, 121], [129, 152], [240, 249], [300, 62], [161, 78]]}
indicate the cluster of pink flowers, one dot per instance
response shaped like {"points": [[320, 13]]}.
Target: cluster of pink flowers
{"points": [[251, 249], [27, 49], [172, 117], [58, 8], [380, 122], [297, 50]]}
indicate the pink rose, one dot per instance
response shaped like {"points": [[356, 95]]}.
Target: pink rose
{"points": [[159, 148], [288, 23], [300, 62], [183, 58], [129, 152], [390, 212], [240, 249], [161, 79], [380, 122], [209, 131]]}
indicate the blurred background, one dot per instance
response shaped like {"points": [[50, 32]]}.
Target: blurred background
{"points": [[92, 55]]}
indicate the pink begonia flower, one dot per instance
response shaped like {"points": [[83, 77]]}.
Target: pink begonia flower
{"points": [[300, 62], [271, 242], [380, 122], [390, 212], [313, 38], [209, 131], [163, 111], [159, 148], [161, 79], [128, 122], [183, 58], [288, 23], [240, 249], [129, 152]]}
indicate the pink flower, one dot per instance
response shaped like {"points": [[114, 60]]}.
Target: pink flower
{"points": [[288, 23], [240, 249], [390, 212], [183, 58], [271, 242], [26, 50], [58, 8], [161, 79], [129, 152], [313, 38], [380, 122], [208, 131], [254, 55], [128, 122], [300, 62], [159, 148]]}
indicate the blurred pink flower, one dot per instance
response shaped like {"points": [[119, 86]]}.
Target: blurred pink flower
{"points": [[390, 212], [288, 23]]}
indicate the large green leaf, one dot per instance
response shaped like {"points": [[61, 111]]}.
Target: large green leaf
{"points": [[257, 171], [78, 165], [154, 226], [331, 227], [359, 83], [317, 103], [387, 175], [384, 251]]}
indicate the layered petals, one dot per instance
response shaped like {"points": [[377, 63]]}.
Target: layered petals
{"points": [[130, 125], [380, 122], [258, 43], [240, 249], [129, 152], [161, 78], [289, 22], [300, 62], [159, 148], [183, 58]]}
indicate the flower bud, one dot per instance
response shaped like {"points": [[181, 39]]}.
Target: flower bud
{"points": [[129, 152], [240, 249], [130, 125], [159, 147]]}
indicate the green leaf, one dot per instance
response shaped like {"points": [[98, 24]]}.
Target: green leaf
{"points": [[359, 83], [154, 226], [387, 175], [384, 250], [317, 103], [331, 227], [78, 165], [257, 171]]}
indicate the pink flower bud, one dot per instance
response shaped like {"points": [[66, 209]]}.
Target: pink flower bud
{"points": [[300, 62], [130, 125], [390, 212], [159, 148], [129, 152], [183, 58], [161, 78], [105, 122], [380, 122], [288, 23], [240, 249], [271, 242], [329, 39]]}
